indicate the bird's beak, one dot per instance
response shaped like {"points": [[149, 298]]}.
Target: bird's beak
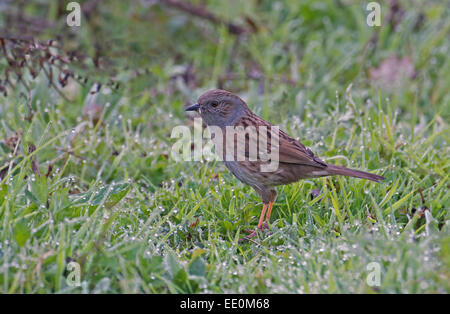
{"points": [[193, 107]]}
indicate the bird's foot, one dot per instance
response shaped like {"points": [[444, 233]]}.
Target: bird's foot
{"points": [[254, 232], [251, 234], [263, 229]]}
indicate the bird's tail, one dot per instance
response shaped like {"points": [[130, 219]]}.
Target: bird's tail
{"points": [[343, 171]]}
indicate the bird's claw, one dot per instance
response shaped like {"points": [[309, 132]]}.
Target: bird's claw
{"points": [[251, 234], [254, 232]]}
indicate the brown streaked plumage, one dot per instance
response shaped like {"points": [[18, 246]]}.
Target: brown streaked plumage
{"points": [[295, 161]]}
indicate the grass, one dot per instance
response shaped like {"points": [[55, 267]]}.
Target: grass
{"points": [[110, 198]]}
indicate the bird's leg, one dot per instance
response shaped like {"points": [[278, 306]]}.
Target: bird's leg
{"points": [[269, 211], [261, 218], [260, 224]]}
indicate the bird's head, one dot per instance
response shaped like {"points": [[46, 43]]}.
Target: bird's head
{"points": [[219, 107]]}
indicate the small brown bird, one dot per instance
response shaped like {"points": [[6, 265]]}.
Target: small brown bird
{"points": [[223, 110]]}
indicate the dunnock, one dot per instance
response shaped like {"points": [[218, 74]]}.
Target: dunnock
{"points": [[223, 110]]}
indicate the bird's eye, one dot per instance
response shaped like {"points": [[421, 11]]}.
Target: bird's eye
{"points": [[214, 104]]}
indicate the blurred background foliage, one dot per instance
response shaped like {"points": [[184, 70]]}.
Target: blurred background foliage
{"points": [[235, 44]]}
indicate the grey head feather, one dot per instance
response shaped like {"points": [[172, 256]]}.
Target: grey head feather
{"points": [[221, 108]]}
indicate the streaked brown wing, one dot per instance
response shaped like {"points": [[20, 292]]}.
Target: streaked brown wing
{"points": [[290, 150], [293, 152]]}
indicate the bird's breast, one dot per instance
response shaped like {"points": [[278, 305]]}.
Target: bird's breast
{"points": [[243, 173]]}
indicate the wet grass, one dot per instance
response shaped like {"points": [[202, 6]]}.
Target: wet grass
{"points": [[91, 180]]}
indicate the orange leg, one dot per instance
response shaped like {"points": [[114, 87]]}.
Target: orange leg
{"points": [[269, 212], [261, 218], [260, 224]]}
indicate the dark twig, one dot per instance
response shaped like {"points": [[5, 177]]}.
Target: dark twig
{"points": [[52, 83], [203, 13], [34, 164]]}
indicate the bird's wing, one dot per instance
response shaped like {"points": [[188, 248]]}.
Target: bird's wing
{"points": [[289, 149], [293, 152]]}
